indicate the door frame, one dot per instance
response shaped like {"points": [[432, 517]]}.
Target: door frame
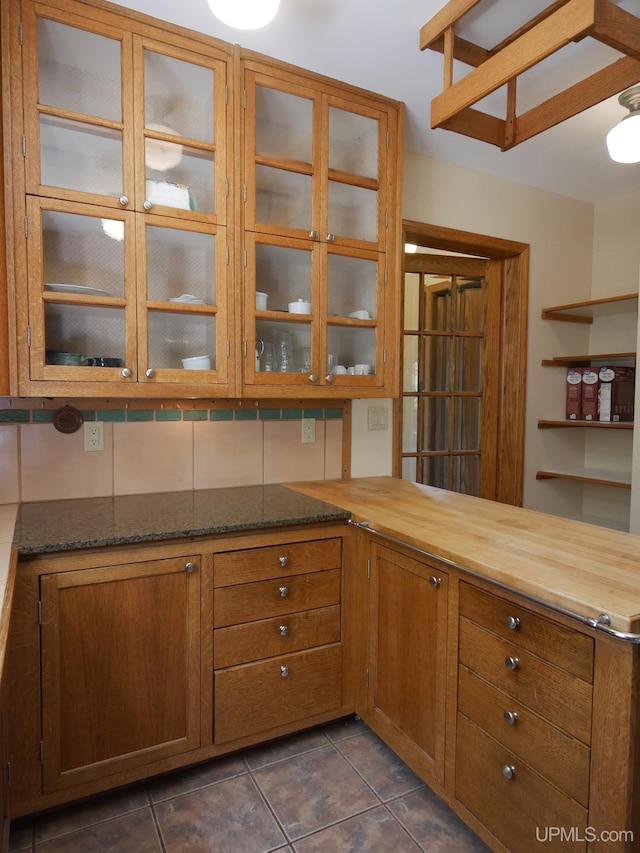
{"points": [[511, 393]]}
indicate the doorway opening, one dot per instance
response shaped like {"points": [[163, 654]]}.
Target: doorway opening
{"points": [[459, 424]]}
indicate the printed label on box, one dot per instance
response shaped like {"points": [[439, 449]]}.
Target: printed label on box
{"points": [[590, 384], [605, 393], [574, 393]]}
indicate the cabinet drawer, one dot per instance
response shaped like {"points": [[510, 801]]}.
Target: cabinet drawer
{"points": [[558, 645], [254, 564], [280, 635], [559, 697], [519, 810], [561, 759], [261, 600], [259, 696]]}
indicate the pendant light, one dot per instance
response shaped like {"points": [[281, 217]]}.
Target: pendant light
{"points": [[245, 14], [623, 141]]}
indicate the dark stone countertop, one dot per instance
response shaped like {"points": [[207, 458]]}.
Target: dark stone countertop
{"points": [[66, 525]]}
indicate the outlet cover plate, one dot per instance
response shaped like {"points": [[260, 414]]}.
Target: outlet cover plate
{"points": [[308, 430], [93, 435]]}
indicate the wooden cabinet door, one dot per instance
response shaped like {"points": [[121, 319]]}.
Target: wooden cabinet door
{"points": [[120, 668], [407, 658]]}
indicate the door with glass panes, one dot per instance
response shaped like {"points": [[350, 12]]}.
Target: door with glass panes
{"points": [[450, 372]]}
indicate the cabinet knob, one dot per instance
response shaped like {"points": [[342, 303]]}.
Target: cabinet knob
{"points": [[313, 377], [124, 200], [508, 771], [149, 373], [434, 581], [147, 204], [510, 717], [329, 378], [283, 630], [284, 591], [189, 567], [511, 663], [313, 235], [283, 561], [126, 372], [284, 671], [331, 238], [513, 623]]}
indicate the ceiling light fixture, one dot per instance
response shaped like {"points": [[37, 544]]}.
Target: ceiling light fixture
{"points": [[623, 140], [245, 14]]}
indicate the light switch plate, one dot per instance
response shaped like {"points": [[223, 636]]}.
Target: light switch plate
{"points": [[378, 417]]}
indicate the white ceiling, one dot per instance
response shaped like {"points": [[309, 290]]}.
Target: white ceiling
{"points": [[374, 44]]}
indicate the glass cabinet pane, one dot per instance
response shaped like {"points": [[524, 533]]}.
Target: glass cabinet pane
{"points": [[283, 198], [84, 335], [466, 474], [78, 71], [352, 286], [353, 143], [80, 156], [411, 302], [351, 347], [189, 185], [409, 424], [284, 274], [435, 471], [353, 212], [82, 253], [179, 97], [283, 124], [180, 266], [410, 363], [173, 337], [283, 347]]}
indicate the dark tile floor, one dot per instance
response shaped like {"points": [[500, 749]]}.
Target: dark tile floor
{"points": [[335, 788]]}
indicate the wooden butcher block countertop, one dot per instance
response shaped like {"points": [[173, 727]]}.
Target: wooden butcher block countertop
{"points": [[576, 567]]}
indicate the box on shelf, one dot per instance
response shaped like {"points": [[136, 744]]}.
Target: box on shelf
{"points": [[590, 385], [574, 393], [606, 376], [616, 394], [624, 385]]}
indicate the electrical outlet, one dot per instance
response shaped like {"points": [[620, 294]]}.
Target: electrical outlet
{"points": [[93, 435], [308, 430]]}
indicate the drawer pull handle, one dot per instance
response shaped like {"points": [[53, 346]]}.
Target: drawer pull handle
{"points": [[283, 630], [511, 717], [283, 561], [508, 771], [434, 581], [284, 671], [512, 663], [189, 567], [284, 591], [513, 623]]}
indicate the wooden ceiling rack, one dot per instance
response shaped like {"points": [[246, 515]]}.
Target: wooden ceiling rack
{"points": [[562, 22]]}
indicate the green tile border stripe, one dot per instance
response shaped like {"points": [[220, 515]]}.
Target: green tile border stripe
{"points": [[248, 411]]}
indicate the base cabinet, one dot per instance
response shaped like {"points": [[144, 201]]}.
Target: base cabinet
{"points": [[152, 658], [405, 697], [120, 668]]}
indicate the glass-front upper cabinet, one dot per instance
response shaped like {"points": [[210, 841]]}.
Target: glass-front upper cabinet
{"points": [[315, 163], [319, 178], [96, 318], [126, 141], [117, 118]]}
